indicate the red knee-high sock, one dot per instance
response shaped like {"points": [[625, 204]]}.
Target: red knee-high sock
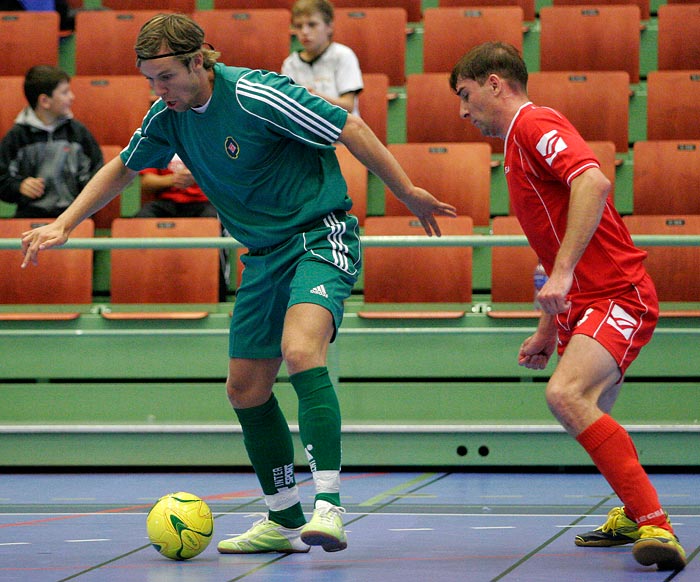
{"points": [[614, 454]]}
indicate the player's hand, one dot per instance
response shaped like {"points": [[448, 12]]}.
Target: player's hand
{"points": [[183, 179], [32, 188], [39, 239], [536, 350], [426, 207], [553, 297]]}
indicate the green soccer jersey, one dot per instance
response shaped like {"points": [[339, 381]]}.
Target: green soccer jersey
{"points": [[262, 152]]}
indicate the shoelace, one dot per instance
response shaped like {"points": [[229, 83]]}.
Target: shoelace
{"points": [[330, 513]]}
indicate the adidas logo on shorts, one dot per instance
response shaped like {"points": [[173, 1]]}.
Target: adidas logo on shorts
{"points": [[319, 290]]}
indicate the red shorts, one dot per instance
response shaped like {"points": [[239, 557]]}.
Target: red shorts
{"points": [[622, 324]]}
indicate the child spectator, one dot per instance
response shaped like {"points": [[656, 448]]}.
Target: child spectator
{"points": [[47, 157], [326, 68]]}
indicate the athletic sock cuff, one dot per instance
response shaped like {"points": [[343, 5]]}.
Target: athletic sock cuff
{"points": [[256, 412], [598, 432], [310, 380]]}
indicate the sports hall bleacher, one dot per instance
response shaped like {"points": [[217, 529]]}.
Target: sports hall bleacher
{"points": [[96, 371]]}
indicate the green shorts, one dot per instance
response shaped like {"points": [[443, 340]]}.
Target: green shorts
{"points": [[319, 266]]}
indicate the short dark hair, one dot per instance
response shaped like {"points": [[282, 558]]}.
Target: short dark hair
{"points": [[491, 57], [42, 80], [179, 33]]}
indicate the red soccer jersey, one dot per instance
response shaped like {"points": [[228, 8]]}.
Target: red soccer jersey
{"points": [[543, 154]]}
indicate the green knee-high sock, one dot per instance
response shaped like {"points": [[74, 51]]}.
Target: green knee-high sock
{"points": [[319, 429], [269, 445]]}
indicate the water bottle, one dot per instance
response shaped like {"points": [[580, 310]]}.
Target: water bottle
{"points": [[539, 278]]}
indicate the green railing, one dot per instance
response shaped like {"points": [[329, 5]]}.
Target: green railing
{"points": [[108, 243]]}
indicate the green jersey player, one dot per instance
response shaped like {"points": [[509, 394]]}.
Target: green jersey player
{"points": [[261, 148]]}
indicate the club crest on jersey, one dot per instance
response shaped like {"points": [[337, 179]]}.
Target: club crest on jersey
{"points": [[550, 144], [232, 148]]}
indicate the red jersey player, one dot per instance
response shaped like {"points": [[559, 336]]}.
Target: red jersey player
{"points": [[599, 304]]}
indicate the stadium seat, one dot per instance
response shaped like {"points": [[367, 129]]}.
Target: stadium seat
{"points": [[355, 174], [252, 4], [432, 113], [672, 105], [104, 216], [666, 177], [171, 276], [97, 53], [378, 37], [237, 35], [12, 99], [644, 5], [528, 6], [679, 37], [456, 173], [374, 103], [596, 102], [605, 152], [591, 38], [184, 6], [112, 107], [28, 39], [674, 269], [63, 276], [450, 32], [414, 9], [408, 274], [512, 271]]}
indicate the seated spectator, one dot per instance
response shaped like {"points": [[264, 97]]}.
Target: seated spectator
{"points": [[172, 193], [47, 157], [326, 68]]}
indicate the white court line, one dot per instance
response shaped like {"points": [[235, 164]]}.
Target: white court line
{"points": [[16, 544], [412, 529], [87, 541], [492, 527]]}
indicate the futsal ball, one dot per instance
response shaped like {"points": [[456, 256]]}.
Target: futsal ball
{"points": [[180, 525]]}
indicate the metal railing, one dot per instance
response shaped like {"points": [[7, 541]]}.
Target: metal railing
{"points": [[108, 243]]}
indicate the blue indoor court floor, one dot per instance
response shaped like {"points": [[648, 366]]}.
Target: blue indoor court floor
{"points": [[402, 526]]}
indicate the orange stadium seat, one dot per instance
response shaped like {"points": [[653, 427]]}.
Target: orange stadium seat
{"points": [[97, 53], [17, 29], [63, 275], [355, 174], [104, 216], [378, 37], [112, 107], [674, 269], [679, 37], [236, 35], [450, 32], [413, 8], [511, 270], [432, 113], [252, 4], [672, 105], [13, 101], [605, 152], [596, 102], [591, 38], [644, 5], [456, 173], [374, 103], [528, 6], [417, 274], [666, 177], [178, 276], [184, 6]]}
